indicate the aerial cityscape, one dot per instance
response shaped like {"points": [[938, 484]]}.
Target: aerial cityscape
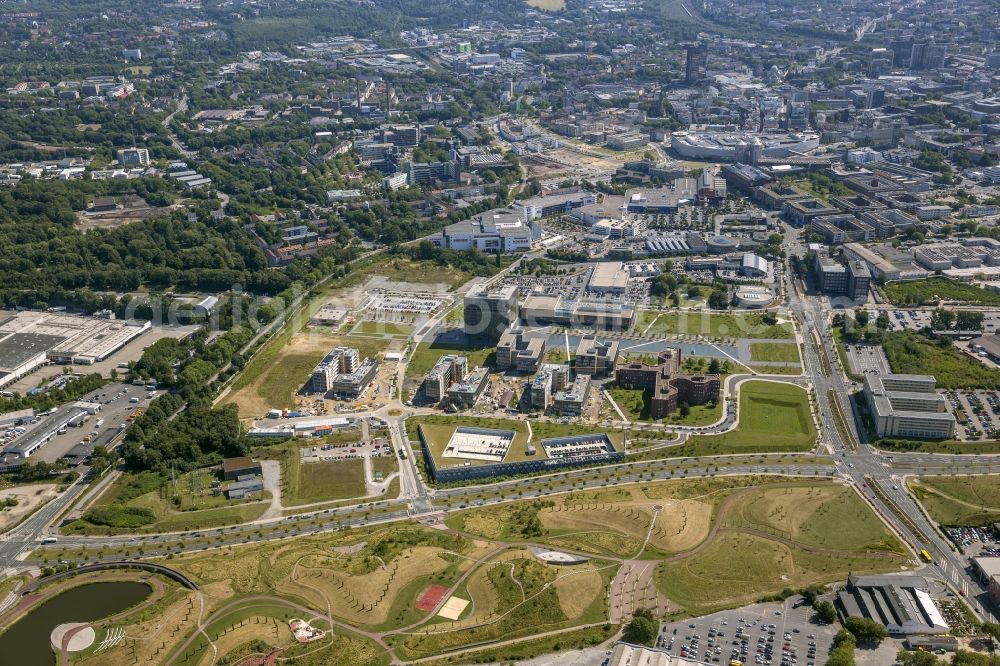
{"points": [[583, 332]]}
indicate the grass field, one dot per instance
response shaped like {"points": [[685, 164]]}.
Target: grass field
{"points": [[305, 483], [959, 500], [910, 352], [774, 352], [773, 417], [936, 289], [714, 325], [636, 404], [372, 327]]}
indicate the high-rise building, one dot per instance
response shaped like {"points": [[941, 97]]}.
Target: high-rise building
{"points": [[927, 55], [696, 63], [487, 314]]}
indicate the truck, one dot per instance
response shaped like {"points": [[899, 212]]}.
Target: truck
{"points": [[99, 423], [402, 453]]}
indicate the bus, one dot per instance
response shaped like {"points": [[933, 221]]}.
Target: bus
{"points": [[926, 556]]}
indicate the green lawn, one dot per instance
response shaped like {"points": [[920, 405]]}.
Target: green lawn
{"points": [[371, 327], [636, 405], [936, 289], [774, 417], [774, 352], [910, 352], [714, 325], [959, 500]]}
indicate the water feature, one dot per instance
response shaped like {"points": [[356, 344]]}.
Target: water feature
{"points": [[28, 640]]}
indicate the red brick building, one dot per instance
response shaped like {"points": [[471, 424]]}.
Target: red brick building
{"points": [[669, 387]]}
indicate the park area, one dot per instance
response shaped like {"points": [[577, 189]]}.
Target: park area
{"points": [[750, 325], [473, 588], [774, 352], [968, 501], [773, 417]]}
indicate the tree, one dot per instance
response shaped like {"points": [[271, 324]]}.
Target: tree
{"points": [[882, 321], [917, 658], [769, 318], [685, 409], [714, 367], [642, 629], [825, 611], [719, 299], [866, 630], [861, 317], [941, 319], [843, 649], [969, 320]]}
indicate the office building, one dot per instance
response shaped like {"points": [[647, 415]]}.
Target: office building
{"points": [[668, 386], [487, 314], [402, 136], [553, 204], [342, 373], [801, 212], [851, 279], [571, 400], [427, 173], [544, 310], [499, 231], [907, 406], [595, 358], [465, 393], [927, 55], [548, 381], [515, 351], [842, 228], [448, 370], [696, 63], [133, 157]]}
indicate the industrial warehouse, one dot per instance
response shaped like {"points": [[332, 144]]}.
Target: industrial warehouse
{"points": [[30, 339]]}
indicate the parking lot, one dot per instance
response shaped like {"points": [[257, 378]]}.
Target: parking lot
{"points": [[353, 451], [975, 541], [867, 359], [785, 634], [977, 413]]}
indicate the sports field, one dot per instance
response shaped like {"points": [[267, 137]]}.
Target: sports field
{"points": [[959, 500], [773, 417]]}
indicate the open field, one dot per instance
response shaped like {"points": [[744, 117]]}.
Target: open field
{"points": [[548, 5], [936, 289], [910, 352], [959, 500], [774, 417], [712, 324], [636, 404], [28, 498], [275, 385], [371, 327], [305, 483], [774, 352], [147, 502]]}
